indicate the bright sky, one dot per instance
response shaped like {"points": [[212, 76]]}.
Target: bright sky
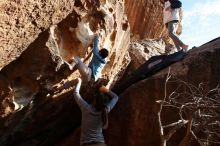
{"points": [[201, 21]]}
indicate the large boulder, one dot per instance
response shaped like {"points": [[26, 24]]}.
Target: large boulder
{"points": [[22, 21], [28, 107], [145, 18], [140, 51], [134, 121], [45, 61]]}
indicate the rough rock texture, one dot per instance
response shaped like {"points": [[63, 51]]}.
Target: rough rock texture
{"points": [[134, 120], [139, 125], [141, 50], [27, 81], [44, 62], [48, 119], [145, 18], [23, 20]]}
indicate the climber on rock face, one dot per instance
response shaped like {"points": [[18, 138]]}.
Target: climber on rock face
{"points": [[89, 73], [172, 11], [95, 115], [94, 70]]}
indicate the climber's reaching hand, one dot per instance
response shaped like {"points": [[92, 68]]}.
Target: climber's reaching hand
{"points": [[103, 89]]}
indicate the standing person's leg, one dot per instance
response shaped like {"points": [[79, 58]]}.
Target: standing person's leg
{"points": [[84, 70], [172, 26]]}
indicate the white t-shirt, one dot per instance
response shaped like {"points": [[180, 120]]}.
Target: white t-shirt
{"points": [[172, 15]]}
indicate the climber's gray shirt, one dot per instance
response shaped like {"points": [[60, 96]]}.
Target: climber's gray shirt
{"points": [[91, 126]]}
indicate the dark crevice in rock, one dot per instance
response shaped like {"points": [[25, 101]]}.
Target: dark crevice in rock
{"points": [[78, 3], [35, 115], [125, 26]]}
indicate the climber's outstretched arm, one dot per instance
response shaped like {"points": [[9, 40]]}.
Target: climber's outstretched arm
{"points": [[114, 97], [79, 100]]}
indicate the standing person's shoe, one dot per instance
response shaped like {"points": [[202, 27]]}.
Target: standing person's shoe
{"points": [[185, 48]]}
